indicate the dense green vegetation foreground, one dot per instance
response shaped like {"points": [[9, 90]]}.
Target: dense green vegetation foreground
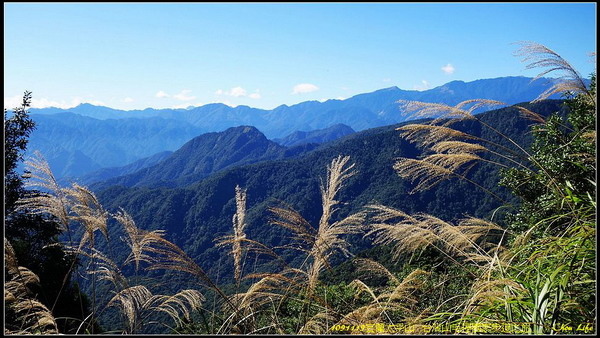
{"points": [[446, 259]]}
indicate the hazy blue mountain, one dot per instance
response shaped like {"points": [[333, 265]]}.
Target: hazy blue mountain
{"points": [[204, 155], [360, 112], [315, 136], [106, 137], [108, 173], [104, 143]]}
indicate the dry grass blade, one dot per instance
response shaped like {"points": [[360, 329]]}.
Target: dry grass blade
{"points": [[405, 233], [329, 239], [403, 295], [52, 199], [337, 174], [433, 169], [132, 302], [168, 256], [139, 241], [36, 316], [318, 324], [590, 136], [409, 233], [266, 292], [10, 258], [32, 317], [401, 299], [490, 291], [269, 288], [537, 55], [533, 116], [429, 134], [89, 212], [235, 240], [106, 268], [457, 147], [371, 313], [290, 219], [439, 111], [178, 305], [359, 287], [239, 223], [466, 238], [372, 267]]}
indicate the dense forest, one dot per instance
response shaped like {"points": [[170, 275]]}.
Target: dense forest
{"points": [[454, 222]]}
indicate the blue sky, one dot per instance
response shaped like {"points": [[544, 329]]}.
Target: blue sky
{"points": [[139, 55]]}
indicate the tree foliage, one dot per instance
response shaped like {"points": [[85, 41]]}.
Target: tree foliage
{"points": [[35, 238]]}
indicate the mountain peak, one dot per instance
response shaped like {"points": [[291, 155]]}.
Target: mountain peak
{"points": [[206, 154], [388, 89], [242, 130]]}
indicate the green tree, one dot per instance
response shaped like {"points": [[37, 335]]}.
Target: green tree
{"points": [[562, 186], [35, 237], [17, 129]]}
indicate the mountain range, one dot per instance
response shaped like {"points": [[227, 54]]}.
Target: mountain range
{"points": [[199, 208], [86, 138]]}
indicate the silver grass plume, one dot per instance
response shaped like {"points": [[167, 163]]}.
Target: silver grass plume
{"points": [[52, 199], [326, 239], [137, 304], [539, 56], [469, 240], [32, 316], [239, 236]]}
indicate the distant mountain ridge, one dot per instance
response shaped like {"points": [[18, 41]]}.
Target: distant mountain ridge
{"points": [[93, 144], [315, 136], [92, 137], [108, 173], [362, 111]]}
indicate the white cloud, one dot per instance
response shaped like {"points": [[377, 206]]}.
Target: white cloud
{"points": [[387, 80], [13, 102], [239, 92], [448, 69], [128, 100], [161, 94], [304, 88], [183, 96], [423, 86], [16, 101], [255, 95]]}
